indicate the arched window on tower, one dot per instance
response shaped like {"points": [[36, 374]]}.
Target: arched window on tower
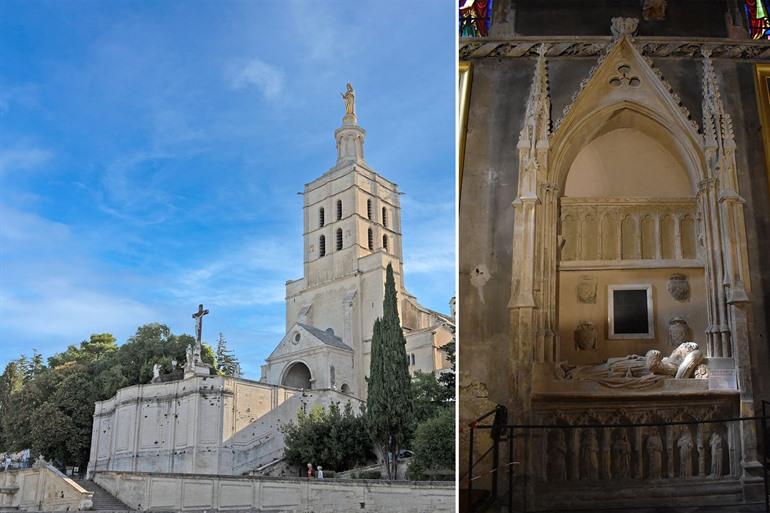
{"points": [[384, 217], [322, 246], [339, 239], [321, 220], [339, 210], [371, 240], [385, 242], [369, 209]]}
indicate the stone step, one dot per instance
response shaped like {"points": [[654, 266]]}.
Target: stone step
{"points": [[103, 501]]}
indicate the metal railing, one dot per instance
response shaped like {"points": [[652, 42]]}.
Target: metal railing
{"points": [[500, 432]]}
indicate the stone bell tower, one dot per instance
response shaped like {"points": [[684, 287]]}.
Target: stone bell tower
{"points": [[352, 231]]}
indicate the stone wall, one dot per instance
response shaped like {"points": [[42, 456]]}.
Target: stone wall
{"points": [[42, 488], [198, 425], [175, 492]]}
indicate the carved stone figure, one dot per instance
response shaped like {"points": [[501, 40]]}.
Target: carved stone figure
{"points": [[653, 449], [349, 97], [624, 26], [678, 331], [621, 456], [586, 290], [678, 287], [557, 457], [635, 371], [190, 363], [715, 443], [156, 372], [654, 10], [590, 456], [585, 336], [701, 372], [685, 446]]}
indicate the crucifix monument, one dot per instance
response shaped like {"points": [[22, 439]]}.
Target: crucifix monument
{"points": [[195, 365]]}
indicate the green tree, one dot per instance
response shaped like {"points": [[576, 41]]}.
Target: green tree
{"points": [[434, 447], [49, 409], [389, 401], [227, 363], [333, 438]]}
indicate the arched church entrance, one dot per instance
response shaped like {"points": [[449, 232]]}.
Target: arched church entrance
{"points": [[297, 375]]}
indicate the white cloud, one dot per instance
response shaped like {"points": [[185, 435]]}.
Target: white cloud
{"points": [[268, 79], [65, 310], [22, 159], [251, 275]]}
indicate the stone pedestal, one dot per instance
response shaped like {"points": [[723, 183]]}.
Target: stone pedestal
{"points": [[198, 370]]}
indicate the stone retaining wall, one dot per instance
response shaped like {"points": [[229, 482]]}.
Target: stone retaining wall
{"points": [[194, 493]]}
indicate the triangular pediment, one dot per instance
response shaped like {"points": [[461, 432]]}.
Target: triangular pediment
{"points": [[624, 75], [302, 338], [624, 90]]}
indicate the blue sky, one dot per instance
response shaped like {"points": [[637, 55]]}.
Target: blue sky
{"points": [[151, 154]]}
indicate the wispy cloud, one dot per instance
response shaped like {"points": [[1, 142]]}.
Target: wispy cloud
{"points": [[266, 78], [249, 275], [22, 158]]}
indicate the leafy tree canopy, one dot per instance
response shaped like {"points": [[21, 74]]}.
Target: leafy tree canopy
{"points": [[49, 408], [334, 438]]}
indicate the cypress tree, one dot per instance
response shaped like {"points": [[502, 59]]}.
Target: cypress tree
{"points": [[389, 400]]}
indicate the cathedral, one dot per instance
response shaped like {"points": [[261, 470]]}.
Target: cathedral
{"points": [[614, 245], [210, 424], [352, 231]]}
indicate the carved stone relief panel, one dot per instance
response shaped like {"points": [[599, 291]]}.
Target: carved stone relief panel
{"points": [[629, 229], [586, 290], [676, 451], [678, 332], [585, 336], [678, 287]]}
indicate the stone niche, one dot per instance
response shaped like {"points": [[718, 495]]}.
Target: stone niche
{"points": [[573, 312]]}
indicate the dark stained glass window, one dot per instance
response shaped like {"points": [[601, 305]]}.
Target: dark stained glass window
{"points": [[757, 16], [475, 17]]}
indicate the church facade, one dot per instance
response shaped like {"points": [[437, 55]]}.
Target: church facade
{"points": [[352, 231], [209, 424], [614, 213]]}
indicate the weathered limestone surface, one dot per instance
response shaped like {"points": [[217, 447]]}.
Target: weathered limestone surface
{"points": [[198, 425], [42, 488], [694, 230], [175, 492]]}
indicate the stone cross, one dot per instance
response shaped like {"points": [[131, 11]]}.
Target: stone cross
{"points": [[198, 316]]}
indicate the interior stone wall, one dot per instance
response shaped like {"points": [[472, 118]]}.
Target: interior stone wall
{"points": [[572, 311], [497, 103], [693, 18]]}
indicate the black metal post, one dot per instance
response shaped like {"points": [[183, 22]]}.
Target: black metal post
{"points": [[495, 462], [510, 470], [469, 496], [765, 453]]}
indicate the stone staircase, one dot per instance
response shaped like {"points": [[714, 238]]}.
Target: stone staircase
{"points": [[103, 500]]}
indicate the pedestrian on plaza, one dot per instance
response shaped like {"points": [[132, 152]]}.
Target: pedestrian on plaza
{"points": [[309, 470], [320, 472]]}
